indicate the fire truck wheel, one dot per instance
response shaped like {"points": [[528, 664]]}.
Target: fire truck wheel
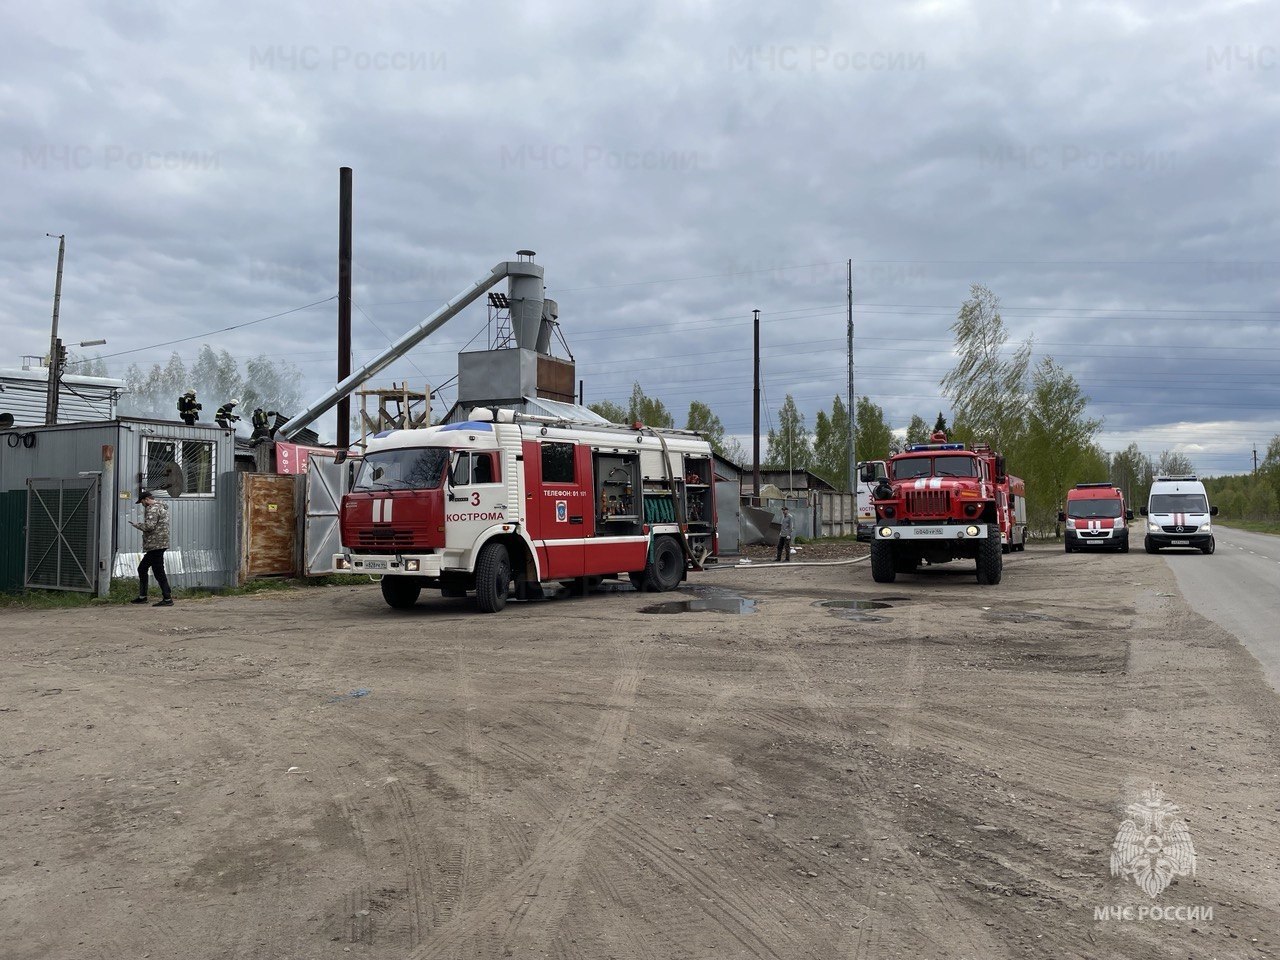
{"points": [[493, 578], [882, 565], [1124, 546], [990, 561], [1066, 546], [1209, 547], [1148, 545], [401, 593], [665, 566]]}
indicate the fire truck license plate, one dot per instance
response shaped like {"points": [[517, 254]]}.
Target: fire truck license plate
{"points": [[929, 531], [375, 564], [1180, 543]]}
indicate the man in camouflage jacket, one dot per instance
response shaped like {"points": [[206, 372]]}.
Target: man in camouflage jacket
{"points": [[155, 541]]}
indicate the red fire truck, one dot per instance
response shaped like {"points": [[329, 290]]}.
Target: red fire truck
{"points": [[942, 501], [505, 502]]}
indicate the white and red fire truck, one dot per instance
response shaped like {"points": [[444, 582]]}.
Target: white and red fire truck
{"points": [[505, 502], [943, 501]]}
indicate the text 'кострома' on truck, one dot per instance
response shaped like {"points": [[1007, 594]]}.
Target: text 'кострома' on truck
{"points": [[504, 502], [942, 501]]}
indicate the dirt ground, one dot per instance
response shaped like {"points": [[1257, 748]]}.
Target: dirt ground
{"points": [[312, 775]]}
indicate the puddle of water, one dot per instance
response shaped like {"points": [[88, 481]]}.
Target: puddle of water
{"points": [[735, 605], [855, 610], [1018, 616], [853, 604]]}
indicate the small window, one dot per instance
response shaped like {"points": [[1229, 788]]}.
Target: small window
{"points": [[194, 458], [482, 468], [462, 470], [557, 463]]}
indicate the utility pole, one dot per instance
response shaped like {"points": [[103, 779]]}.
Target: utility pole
{"points": [[55, 345], [1255, 458], [755, 471], [853, 415]]}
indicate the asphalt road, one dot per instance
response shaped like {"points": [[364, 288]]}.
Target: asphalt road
{"points": [[1238, 588]]}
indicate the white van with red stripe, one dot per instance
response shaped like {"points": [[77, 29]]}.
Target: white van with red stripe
{"points": [[1178, 515]]}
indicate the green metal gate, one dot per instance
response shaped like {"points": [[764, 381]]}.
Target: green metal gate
{"points": [[62, 534], [13, 539]]}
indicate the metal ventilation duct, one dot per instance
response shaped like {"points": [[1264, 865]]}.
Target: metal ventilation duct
{"points": [[550, 314], [526, 294]]}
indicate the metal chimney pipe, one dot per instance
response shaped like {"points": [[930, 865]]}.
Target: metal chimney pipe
{"points": [[344, 303], [755, 469]]}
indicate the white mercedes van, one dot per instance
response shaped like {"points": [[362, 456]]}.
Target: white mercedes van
{"points": [[1178, 515]]}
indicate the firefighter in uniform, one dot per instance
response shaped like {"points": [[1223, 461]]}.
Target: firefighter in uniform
{"points": [[226, 414], [261, 424], [188, 409]]}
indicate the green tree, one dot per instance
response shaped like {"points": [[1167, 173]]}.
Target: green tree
{"points": [[701, 419], [1131, 472], [874, 437], [648, 410], [1261, 504], [81, 366], [1174, 464], [1269, 468], [613, 412], [831, 445], [790, 445], [918, 429], [216, 376], [270, 383], [1057, 449], [939, 424], [987, 391]]}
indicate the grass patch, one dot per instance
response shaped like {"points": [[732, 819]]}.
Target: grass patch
{"points": [[1256, 526], [125, 589]]}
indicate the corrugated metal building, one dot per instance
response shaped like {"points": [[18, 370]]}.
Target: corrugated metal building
{"points": [[198, 461], [23, 394]]}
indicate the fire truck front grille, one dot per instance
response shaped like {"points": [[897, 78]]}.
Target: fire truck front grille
{"points": [[386, 537], [928, 503]]}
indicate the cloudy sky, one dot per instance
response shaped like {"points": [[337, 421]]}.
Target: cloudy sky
{"points": [[1108, 169]]}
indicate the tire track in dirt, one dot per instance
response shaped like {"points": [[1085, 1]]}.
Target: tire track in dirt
{"points": [[868, 941], [471, 861], [530, 903], [756, 923], [404, 914], [429, 894], [624, 928], [562, 857]]}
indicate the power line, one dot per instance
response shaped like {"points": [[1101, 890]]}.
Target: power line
{"points": [[234, 326]]}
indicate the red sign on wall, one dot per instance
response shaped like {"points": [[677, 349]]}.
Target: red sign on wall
{"points": [[292, 457]]}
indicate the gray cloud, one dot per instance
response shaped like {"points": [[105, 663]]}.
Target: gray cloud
{"points": [[1107, 169]]}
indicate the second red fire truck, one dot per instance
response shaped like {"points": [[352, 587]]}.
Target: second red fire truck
{"points": [[943, 501]]}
